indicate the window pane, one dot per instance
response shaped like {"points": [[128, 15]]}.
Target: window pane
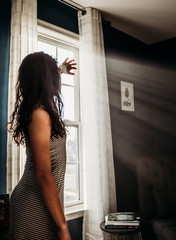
{"points": [[68, 94], [72, 144], [72, 171], [62, 55], [68, 79], [47, 48], [71, 190]]}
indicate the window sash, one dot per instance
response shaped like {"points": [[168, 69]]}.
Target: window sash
{"points": [[62, 38]]}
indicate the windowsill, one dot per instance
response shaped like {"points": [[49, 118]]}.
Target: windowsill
{"points": [[74, 212]]}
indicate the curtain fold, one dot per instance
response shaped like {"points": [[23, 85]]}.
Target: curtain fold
{"points": [[23, 41], [100, 197]]}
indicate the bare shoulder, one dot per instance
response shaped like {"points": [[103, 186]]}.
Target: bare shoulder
{"points": [[39, 114], [41, 122]]}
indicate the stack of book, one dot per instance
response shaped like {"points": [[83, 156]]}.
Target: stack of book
{"points": [[121, 220]]}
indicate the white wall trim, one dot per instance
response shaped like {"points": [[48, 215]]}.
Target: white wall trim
{"points": [[74, 212], [54, 32]]}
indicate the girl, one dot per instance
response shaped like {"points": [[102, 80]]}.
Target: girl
{"points": [[36, 205]]}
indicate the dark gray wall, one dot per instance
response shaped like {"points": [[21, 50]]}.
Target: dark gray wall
{"points": [[151, 129], [4, 69]]}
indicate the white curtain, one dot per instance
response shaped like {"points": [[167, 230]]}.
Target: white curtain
{"points": [[23, 41], [98, 154]]}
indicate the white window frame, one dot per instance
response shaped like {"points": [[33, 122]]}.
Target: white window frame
{"points": [[54, 34]]}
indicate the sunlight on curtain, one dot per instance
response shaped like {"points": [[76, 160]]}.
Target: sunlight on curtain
{"points": [[99, 179], [23, 41]]}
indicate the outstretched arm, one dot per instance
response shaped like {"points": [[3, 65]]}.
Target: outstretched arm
{"points": [[39, 131]]}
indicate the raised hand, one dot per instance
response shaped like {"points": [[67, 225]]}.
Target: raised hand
{"points": [[67, 66]]}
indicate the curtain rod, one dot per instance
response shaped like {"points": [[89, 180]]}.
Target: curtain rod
{"points": [[73, 6]]}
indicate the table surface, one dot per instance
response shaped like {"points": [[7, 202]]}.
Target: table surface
{"points": [[118, 231]]}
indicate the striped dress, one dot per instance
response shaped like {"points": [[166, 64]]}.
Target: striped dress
{"points": [[29, 216]]}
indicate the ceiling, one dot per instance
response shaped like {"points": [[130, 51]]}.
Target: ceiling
{"points": [[149, 21]]}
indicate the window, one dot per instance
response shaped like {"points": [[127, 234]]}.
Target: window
{"points": [[62, 44]]}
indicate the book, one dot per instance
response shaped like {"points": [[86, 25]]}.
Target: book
{"points": [[135, 223], [122, 220], [121, 227], [120, 216]]}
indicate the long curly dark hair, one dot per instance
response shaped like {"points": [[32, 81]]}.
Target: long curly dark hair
{"points": [[39, 83]]}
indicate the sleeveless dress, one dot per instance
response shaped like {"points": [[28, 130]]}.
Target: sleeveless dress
{"points": [[29, 215]]}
